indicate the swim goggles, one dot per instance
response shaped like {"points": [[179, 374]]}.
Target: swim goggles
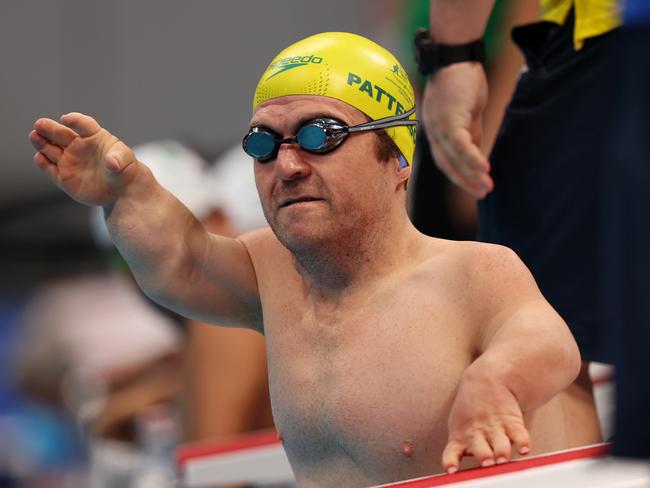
{"points": [[318, 136]]}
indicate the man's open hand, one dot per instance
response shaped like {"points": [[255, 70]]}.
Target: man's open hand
{"points": [[484, 422], [83, 159]]}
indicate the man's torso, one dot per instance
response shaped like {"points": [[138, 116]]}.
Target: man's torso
{"points": [[361, 392]]}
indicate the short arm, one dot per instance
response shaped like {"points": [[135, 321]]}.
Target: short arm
{"points": [[176, 261], [531, 352], [525, 356]]}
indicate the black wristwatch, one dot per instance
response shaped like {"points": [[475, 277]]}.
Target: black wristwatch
{"points": [[431, 56]]}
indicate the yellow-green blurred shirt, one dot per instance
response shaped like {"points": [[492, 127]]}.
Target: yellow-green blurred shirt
{"points": [[593, 17]]}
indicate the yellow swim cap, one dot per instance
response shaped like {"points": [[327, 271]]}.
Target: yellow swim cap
{"points": [[347, 67]]}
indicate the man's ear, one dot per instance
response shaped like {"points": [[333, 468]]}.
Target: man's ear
{"points": [[403, 168], [403, 172], [403, 163]]}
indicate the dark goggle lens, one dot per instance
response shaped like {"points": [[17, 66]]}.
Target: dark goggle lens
{"points": [[311, 137], [259, 145], [319, 136]]}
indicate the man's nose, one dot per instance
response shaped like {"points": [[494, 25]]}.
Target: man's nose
{"points": [[289, 163]]}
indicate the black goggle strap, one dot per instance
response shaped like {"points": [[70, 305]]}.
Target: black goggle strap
{"points": [[386, 122], [334, 127]]}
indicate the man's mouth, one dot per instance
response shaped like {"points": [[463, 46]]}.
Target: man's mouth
{"points": [[292, 201]]}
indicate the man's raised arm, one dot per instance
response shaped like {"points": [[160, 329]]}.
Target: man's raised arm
{"points": [[175, 261]]}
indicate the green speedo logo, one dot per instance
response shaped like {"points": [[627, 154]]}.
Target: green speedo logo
{"points": [[286, 64]]}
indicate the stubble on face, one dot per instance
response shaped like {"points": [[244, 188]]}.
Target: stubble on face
{"points": [[352, 193], [297, 226], [337, 237]]}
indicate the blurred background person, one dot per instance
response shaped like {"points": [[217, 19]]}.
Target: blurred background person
{"points": [[137, 378], [438, 207], [224, 389], [99, 352], [625, 233], [226, 383], [39, 444]]}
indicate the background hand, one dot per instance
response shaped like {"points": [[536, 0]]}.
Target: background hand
{"points": [[454, 99], [83, 159]]}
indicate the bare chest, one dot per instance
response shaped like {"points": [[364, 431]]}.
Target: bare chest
{"points": [[367, 388]]}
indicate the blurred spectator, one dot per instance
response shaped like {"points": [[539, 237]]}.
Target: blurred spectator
{"points": [[625, 233], [438, 207], [99, 348], [227, 385], [39, 444]]}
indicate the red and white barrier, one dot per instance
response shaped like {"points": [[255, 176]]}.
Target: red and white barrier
{"points": [[584, 467], [256, 459], [260, 460]]}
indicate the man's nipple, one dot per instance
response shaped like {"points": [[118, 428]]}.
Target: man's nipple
{"points": [[407, 449]]}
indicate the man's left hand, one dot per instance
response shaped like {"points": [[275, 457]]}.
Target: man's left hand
{"points": [[484, 422]]}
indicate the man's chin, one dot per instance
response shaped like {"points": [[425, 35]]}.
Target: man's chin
{"points": [[298, 237]]}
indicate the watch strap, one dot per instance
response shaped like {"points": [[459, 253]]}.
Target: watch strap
{"points": [[431, 56]]}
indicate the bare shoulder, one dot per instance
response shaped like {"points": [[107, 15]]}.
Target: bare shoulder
{"points": [[472, 253], [257, 238], [492, 259], [260, 240], [264, 249], [491, 271], [491, 282]]}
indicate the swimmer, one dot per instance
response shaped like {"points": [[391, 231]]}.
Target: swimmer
{"points": [[391, 354]]}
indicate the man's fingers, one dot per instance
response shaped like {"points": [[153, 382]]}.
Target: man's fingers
{"points": [[443, 160], [476, 164], [118, 157], [481, 449], [46, 166], [54, 132], [81, 124], [520, 438], [500, 446], [37, 140], [455, 176], [451, 456], [450, 171], [467, 159], [448, 160], [51, 151], [468, 151]]}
